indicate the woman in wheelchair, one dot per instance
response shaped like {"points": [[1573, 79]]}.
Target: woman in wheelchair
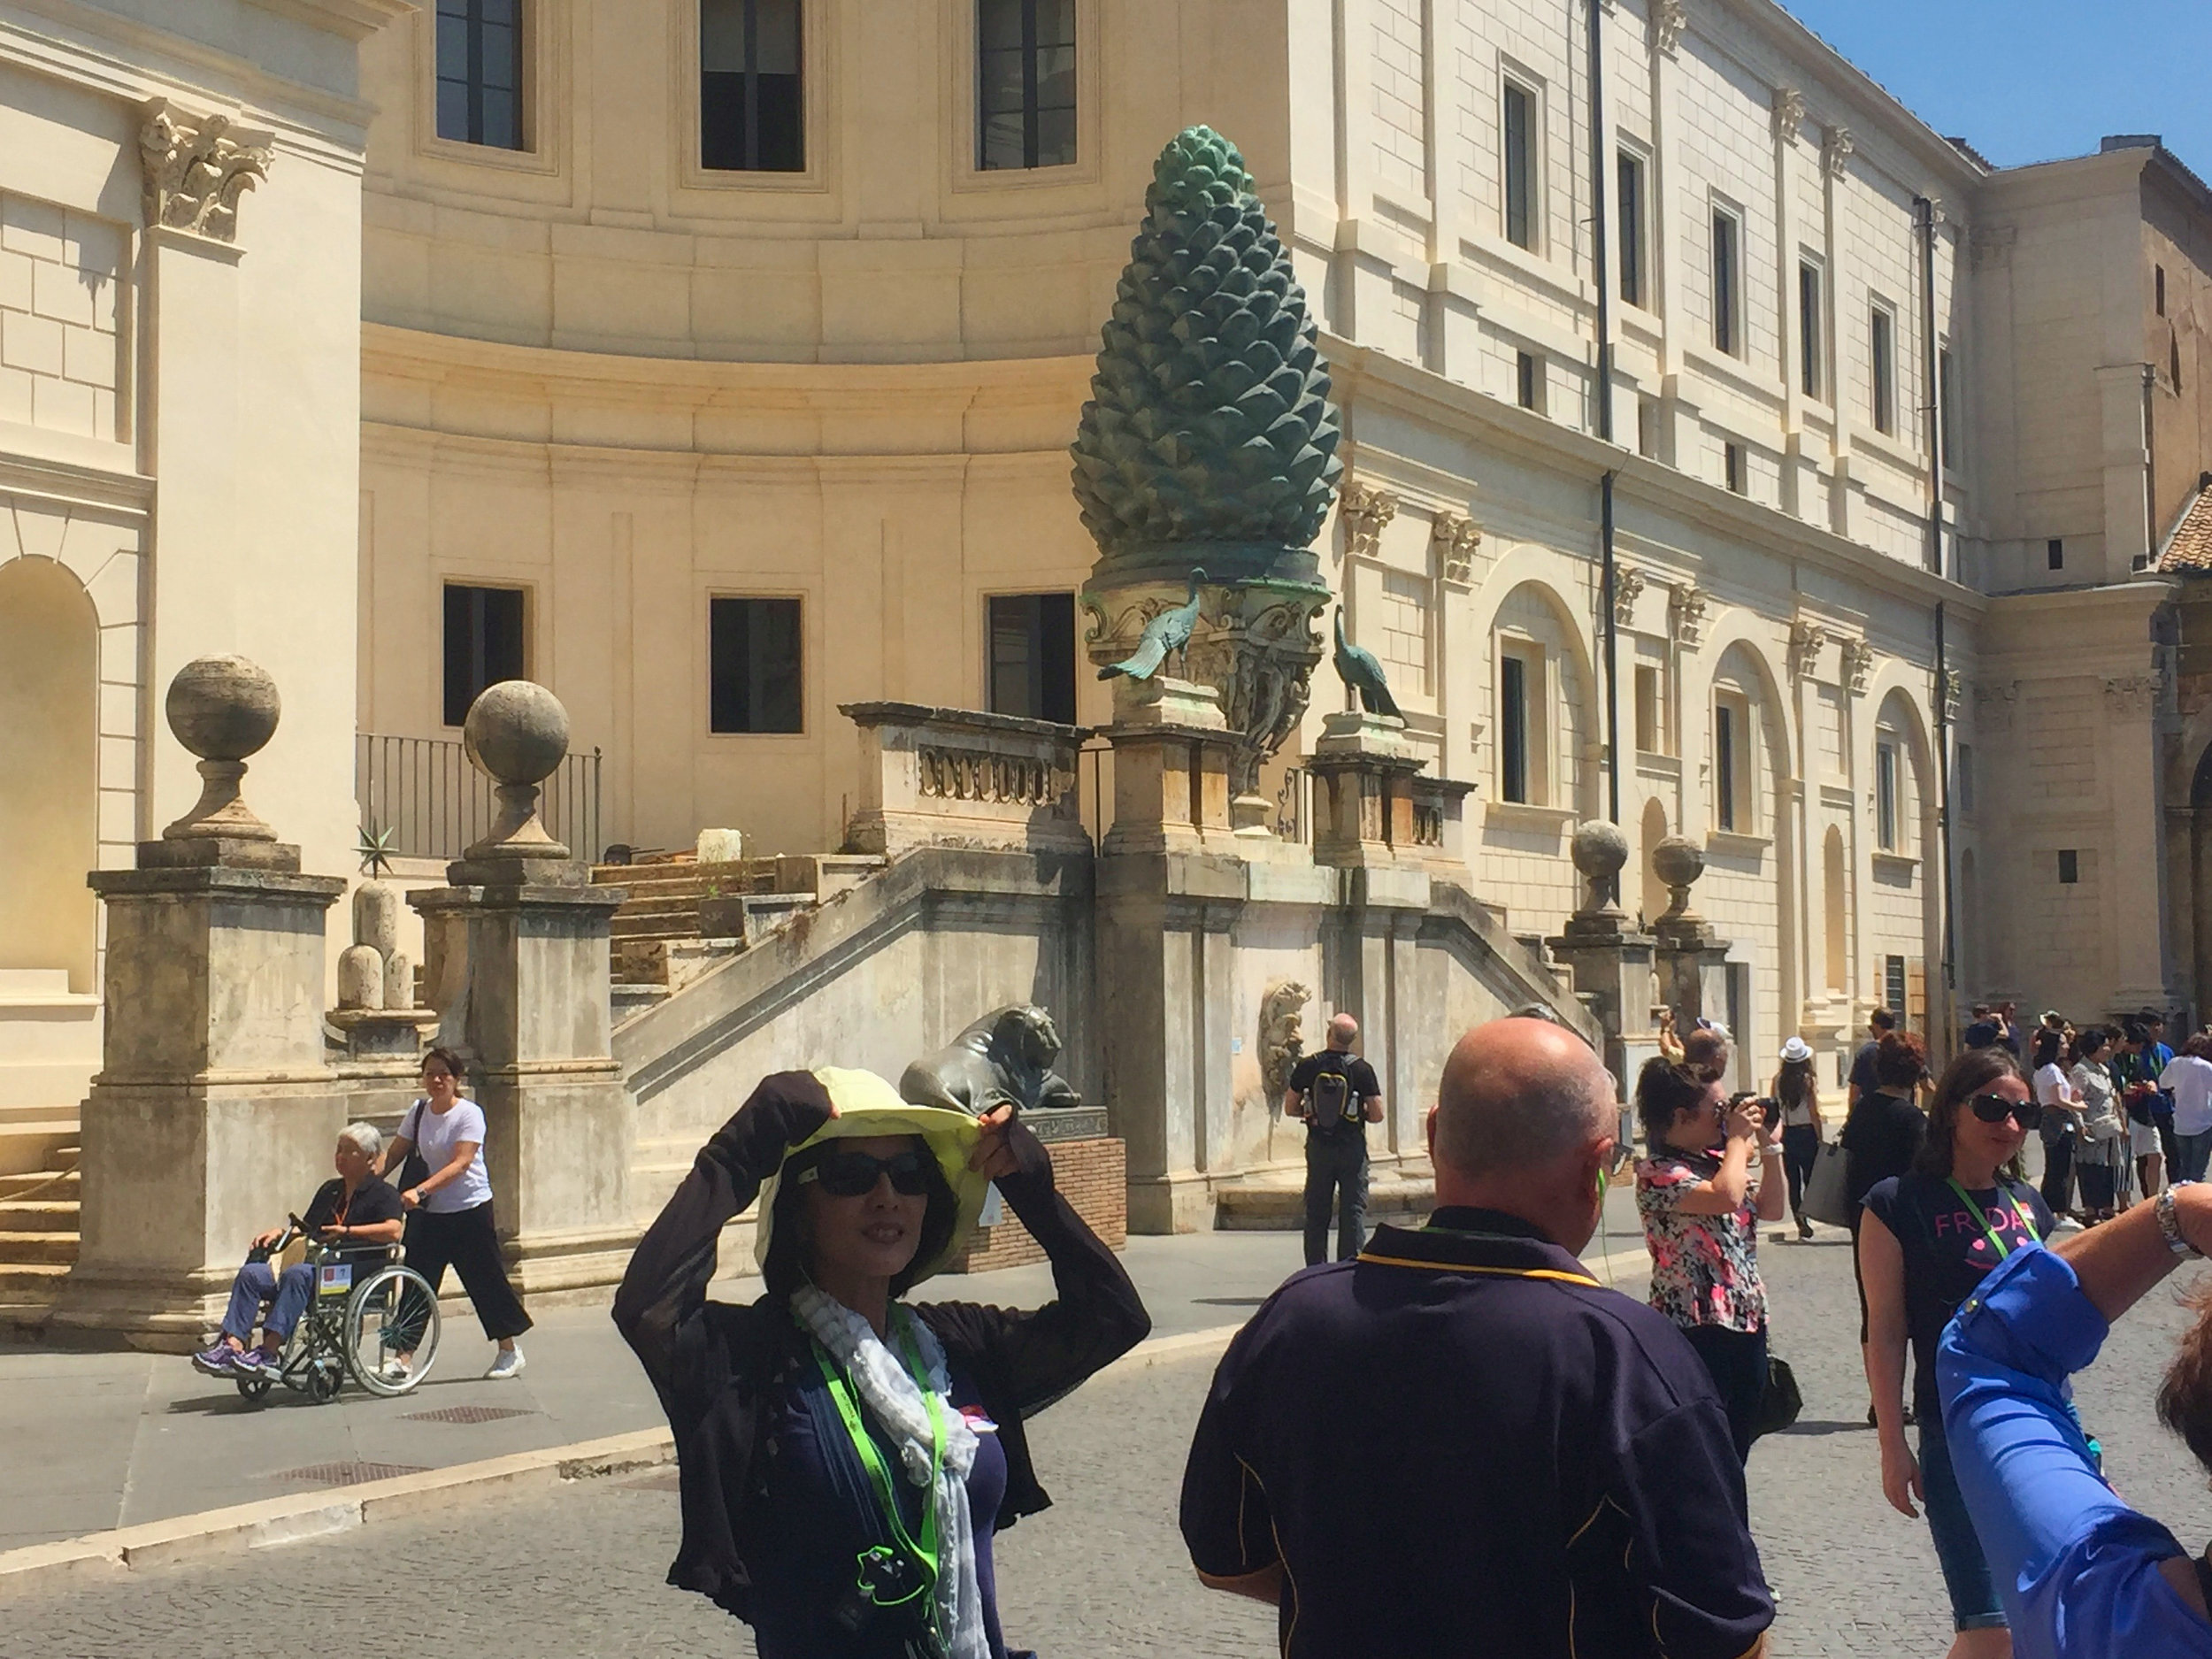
{"points": [[354, 1209]]}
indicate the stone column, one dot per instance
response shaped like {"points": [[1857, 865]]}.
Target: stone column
{"points": [[1173, 754], [1363, 792], [213, 1108], [517, 950], [1612, 961], [1691, 959]]}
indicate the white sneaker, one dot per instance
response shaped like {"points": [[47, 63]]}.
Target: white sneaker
{"points": [[507, 1362], [394, 1369]]}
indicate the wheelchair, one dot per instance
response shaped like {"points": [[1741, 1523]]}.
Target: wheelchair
{"points": [[352, 1330]]}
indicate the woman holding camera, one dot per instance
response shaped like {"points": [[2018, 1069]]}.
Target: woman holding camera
{"points": [[1701, 1212], [1928, 1238], [846, 1458]]}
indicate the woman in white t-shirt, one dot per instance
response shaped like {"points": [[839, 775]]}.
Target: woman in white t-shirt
{"points": [[2061, 1120], [449, 1210], [2188, 1078]]}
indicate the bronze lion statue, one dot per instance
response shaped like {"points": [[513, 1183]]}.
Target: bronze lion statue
{"points": [[1005, 1055]]}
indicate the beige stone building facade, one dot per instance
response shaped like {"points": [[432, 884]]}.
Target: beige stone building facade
{"points": [[714, 362]]}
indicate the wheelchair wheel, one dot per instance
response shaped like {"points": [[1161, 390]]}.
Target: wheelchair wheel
{"points": [[253, 1388], [325, 1378], [394, 1312]]}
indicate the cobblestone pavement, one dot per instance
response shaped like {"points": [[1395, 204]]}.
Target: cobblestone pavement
{"points": [[1102, 1575]]}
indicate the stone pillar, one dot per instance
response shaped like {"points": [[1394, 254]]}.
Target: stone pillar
{"points": [[517, 948], [1612, 961], [1363, 792], [213, 1107], [1691, 959], [1172, 752]]}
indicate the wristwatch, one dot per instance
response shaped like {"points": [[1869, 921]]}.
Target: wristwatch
{"points": [[2169, 1223]]}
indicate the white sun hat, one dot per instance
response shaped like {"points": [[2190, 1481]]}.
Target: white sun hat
{"points": [[868, 1105], [1796, 1052]]}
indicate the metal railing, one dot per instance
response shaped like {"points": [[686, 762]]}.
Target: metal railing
{"points": [[433, 802]]}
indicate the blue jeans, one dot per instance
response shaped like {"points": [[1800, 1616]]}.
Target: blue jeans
{"points": [[2191, 1153], [288, 1296], [1966, 1575]]}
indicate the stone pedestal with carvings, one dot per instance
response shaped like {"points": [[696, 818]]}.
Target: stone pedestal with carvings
{"points": [[1363, 792]]}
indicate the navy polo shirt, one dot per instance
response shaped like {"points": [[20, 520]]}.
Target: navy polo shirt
{"points": [[1460, 1442]]}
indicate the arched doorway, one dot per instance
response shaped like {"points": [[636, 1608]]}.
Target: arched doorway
{"points": [[49, 752]]}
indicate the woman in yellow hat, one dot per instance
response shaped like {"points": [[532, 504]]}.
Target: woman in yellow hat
{"points": [[846, 1458]]}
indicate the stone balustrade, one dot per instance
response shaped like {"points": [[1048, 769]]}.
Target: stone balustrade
{"points": [[935, 777]]}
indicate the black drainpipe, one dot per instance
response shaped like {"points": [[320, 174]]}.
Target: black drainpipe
{"points": [[1924, 221], [1943, 825]]}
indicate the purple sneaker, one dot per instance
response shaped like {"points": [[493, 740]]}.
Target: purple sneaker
{"points": [[254, 1363], [215, 1362]]}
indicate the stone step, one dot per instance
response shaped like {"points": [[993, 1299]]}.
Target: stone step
{"points": [[20, 1248], [33, 1284], [1272, 1206], [47, 1183], [643, 928], [53, 1112], [627, 999], [25, 1146], [39, 1215]]}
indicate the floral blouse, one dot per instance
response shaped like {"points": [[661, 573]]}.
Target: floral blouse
{"points": [[1704, 1268]]}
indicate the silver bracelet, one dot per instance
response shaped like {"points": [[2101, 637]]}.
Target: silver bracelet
{"points": [[2169, 1223]]}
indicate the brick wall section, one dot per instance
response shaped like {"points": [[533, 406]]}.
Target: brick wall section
{"points": [[1093, 1176]]}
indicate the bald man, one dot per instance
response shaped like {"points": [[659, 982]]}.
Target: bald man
{"points": [[1336, 1094], [1460, 1442]]}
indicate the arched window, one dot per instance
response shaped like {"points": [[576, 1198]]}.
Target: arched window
{"points": [[50, 689]]}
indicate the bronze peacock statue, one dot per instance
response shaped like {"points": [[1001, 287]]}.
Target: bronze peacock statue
{"points": [[1170, 631], [1359, 670]]}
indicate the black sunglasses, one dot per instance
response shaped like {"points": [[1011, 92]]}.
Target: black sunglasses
{"points": [[1995, 1108], [855, 1174]]}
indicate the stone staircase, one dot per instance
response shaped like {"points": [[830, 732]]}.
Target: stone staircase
{"points": [[38, 1208], [681, 916]]}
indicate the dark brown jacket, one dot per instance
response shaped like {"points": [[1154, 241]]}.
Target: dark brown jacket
{"points": [[714, 1365]]}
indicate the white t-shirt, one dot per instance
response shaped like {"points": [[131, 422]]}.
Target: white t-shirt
{"points": [[2050, 1085], [2190, 1080], [435, 1134]]}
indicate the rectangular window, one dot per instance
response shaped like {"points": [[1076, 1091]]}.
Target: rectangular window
{"points": [[2162, 289], [484, 643], [479, 72], [1032, 655], [1725, 764], [1727, 282], [1648, 709], [1882, 342], [1025, 83], [1513, 728], [1528, 380], [1631, 215], [1947, 397], [754, 658], [752, 116], [2069, 867], [1885, 797], [2054, 551], [1966, 777], [1647, 427], [1811, 340], [1520, 166], [1732, 463], [1894, 989]]}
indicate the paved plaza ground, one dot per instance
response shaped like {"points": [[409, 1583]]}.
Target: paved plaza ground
{"points": [[577, 1572]]}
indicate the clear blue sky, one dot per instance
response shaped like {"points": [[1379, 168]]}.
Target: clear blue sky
{"points": [[2026, 80]]}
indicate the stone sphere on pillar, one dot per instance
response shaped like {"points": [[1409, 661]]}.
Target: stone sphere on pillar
{"points": [[223, 708], [516, 731], [1599, 850], [1678, 863]]}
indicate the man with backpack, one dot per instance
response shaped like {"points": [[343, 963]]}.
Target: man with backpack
{"points": [[1336, 1094]]}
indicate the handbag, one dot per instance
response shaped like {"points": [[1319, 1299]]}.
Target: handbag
{"points": [[414, 1170], [1781, 1401], [1827, 1195]]}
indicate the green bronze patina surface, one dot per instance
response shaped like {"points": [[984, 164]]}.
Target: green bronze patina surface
{"points": [[1209, 438]]}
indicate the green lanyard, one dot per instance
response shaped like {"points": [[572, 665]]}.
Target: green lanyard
{"points": [[2027, 1223], [923, 1551]]}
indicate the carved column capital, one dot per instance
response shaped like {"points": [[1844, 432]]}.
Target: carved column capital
{"points": [[1789, 113], [1686, 615], [1669, 20], [1628, 586], [1993, 705], [1954, 686], [1858, 665], [1807, 640], [196, 167], [2132, 695], [1456, 537], [1365, 509], [1836, 150]]}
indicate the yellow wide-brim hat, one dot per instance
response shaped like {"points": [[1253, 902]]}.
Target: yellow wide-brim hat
{"points": [[867, 1105]]}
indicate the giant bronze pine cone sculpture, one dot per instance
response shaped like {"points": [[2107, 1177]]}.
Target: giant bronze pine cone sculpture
{"points": [[1210, 418]]}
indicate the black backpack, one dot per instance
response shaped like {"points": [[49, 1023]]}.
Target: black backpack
{"points": [[1331, 1107]]}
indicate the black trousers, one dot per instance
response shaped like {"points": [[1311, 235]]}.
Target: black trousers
{"points": [[1800, 1150], [465, 1240], [1738, 1362], [1336, 1170], [2058, 1174]]}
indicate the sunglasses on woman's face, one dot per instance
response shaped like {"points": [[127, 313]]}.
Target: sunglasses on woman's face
{"points": [[1995, 1108], [855, 1174]]}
